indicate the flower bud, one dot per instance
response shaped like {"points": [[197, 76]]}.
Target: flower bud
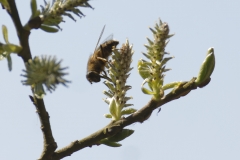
{"points": [[207, 68]]}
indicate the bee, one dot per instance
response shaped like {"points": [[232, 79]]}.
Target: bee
{"points": [[97, 61]]}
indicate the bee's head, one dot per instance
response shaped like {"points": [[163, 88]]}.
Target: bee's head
{"points": [[93, 77]]}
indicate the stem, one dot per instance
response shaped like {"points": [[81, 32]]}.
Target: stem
{"points": [[23, 35]]}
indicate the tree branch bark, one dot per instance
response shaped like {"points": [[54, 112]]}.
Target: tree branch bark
{"points": [[49, 143], [23, 35]]}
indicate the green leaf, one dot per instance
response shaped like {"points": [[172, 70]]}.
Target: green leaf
{"points": [[49, 29], [128, 111], [53, 21], [144, 73], [127, 105], [109, 143], [5, 33], [121, 135], [9, 60], [113, 108], [108, 115], [144, 69], [5, 3], [146, 91], [12, 48], [144, 64], [170, 85]]}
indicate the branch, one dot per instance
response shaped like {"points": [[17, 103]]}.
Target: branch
{"points": [[116, 126], [49, 144], [23, 35]]}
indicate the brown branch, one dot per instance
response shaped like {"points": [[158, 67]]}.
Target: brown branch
{"points": [[115, 126], [23, 35], [49, 143], [13, 12]]}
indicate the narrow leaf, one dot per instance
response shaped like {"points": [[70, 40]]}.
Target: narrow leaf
{"points": [[12, 48], [49, 29], [144, 73], [108, 115], [9, 60], [109, 143], [121, 135], [5, 33], [128, 111], [113, 108], [170, 85], [146, 91], [127, 105]]}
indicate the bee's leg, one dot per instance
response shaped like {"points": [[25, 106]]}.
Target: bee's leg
{"points": [[105, 73], [109, 63], [102, 59], [106, 77]]}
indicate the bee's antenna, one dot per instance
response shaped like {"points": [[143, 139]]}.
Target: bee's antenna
{"points": [[100, 37]]}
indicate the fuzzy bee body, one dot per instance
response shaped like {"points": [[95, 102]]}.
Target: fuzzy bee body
{"points": [[98, 60]]}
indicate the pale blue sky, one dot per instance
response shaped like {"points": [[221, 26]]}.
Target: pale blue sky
{"points": [[204, 125]]}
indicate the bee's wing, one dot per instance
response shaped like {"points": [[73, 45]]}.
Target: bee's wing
{"points": [[100, 37], [110, 37]]}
